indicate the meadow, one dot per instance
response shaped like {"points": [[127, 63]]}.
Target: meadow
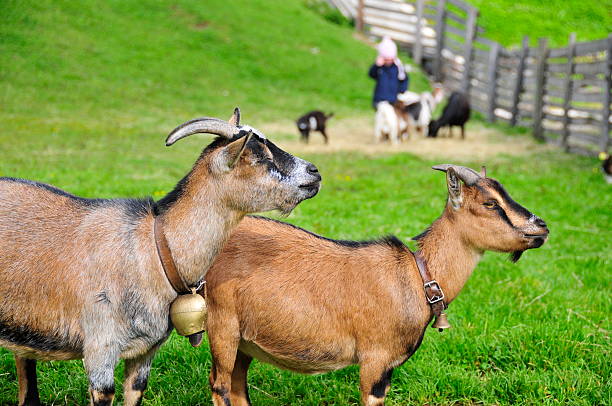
{"points": [[88, 93]]}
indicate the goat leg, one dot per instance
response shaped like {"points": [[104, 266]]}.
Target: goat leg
{"points": [[324, 135], [375, 381], [224, 349], [136, 377], [240, 390], [28, 385], [100, 366]]}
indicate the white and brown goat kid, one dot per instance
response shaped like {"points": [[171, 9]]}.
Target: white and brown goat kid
{"points": [[81, 278], [310, 304]]}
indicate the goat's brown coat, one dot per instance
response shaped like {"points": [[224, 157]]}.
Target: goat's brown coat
{"points": [[309, 304]]}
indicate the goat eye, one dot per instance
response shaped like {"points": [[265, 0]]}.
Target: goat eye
{"points": [[490, 204]]}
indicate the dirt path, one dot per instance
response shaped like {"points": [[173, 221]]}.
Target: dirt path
{"points": [[357, 134]]}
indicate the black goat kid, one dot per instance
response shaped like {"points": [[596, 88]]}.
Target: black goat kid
{"points": [[313, 121]]}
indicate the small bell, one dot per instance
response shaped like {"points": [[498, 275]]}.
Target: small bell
{"points": [[188, 315], [441, 322]]}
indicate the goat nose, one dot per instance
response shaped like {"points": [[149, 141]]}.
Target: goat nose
{"points": [[312, 170], [540, 223]]}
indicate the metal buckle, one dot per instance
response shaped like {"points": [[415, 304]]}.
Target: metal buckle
{"points": [[435, 298]]}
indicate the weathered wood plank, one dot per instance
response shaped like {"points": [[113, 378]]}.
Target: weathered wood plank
{"points": [[591, 68], [539, 91], [518, 88], [589, 47], [491, 77], [469, 44], [417, 53], [558, 52], [604, 142], [440, 25], [396, 6]]}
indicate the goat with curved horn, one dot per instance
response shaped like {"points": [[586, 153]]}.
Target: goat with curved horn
{"points": [[206, 125], [467, 175]]}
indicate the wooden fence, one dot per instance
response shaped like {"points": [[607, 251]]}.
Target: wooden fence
{"points": [[563, 94]]}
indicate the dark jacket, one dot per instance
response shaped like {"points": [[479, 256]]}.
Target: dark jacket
{"points": [[387, 83]]}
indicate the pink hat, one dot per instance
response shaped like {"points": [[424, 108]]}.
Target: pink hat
{"points": [[387, 48]]}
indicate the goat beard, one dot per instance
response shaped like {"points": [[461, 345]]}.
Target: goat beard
{"points": [[515, 256]]}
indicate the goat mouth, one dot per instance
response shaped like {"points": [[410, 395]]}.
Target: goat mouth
{"points": [[310, 186], [542, 235]]}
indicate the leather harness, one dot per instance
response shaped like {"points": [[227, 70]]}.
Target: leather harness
{"points": [[433, 291], [165, 257]]}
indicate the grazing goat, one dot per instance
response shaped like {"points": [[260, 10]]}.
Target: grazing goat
{"points": [[310, 304], [313, 121], [456, 112], [81, 278], [421, 106]]}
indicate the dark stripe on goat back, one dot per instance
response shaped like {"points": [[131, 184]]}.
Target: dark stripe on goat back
{"points": [[133, 208], [390, 240], [81, 200], [36, 340]]}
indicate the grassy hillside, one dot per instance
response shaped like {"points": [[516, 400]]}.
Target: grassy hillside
{"points": [[151, 59], [507, 21]]}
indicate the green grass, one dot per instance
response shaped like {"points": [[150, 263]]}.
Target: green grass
{"points": [[507, 21], [88, 91], [535, 332]]}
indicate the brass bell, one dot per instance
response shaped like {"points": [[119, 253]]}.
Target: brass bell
{"points": [[188, 315], [441, 322]]}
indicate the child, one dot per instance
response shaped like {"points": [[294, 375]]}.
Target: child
{"points": [[388, 72]]}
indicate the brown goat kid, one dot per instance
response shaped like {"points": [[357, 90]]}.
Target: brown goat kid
{"points": [[310, 304], [81, 278]]}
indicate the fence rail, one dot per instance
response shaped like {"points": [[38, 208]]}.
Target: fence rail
{"points": [[563, 94]]}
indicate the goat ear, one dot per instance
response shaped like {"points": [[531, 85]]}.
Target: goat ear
{"points": [[235, 118], [455, 191], [483, 171], [235, 149]]}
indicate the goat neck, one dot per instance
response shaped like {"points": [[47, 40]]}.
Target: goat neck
{"points": [[198, 224], [450, 259]]}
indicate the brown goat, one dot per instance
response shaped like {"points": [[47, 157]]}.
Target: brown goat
{"points": [[310, 304], [81, 278]]}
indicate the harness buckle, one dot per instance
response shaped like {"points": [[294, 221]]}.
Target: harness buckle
{"points": [[435, 297]]}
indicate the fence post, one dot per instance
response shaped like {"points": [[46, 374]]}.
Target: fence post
{"points": [[469, 44], [417, 54], [492, 78], [538, 100], [359, 22], [518, 88], [605, 126], [440, 28], [567, 89]]}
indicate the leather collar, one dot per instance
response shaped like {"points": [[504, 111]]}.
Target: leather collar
{"points": [[433, 291], [165, 257]]}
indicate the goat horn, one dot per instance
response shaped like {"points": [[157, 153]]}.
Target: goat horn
{"points": [[206, 125], [467, 175]]}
